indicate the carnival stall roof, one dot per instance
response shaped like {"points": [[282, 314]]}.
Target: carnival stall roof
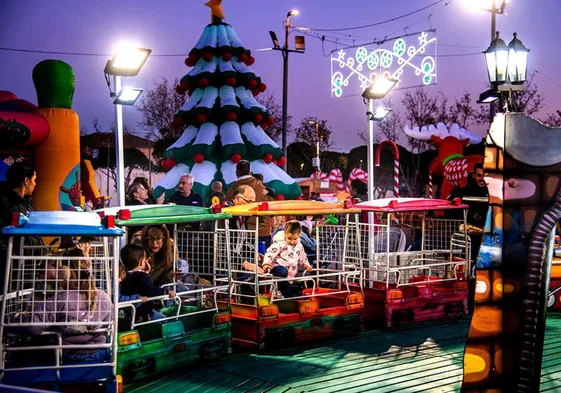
{"points": [[392, 205], [279, 208]]}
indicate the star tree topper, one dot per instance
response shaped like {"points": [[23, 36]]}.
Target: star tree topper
{"points": [[215, 9]]}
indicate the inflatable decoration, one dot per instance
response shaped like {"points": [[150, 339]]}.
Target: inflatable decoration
{"points": [[335, 176], [359, 174], [450, 163], [223, 119], [504, 349], [395, 150], [52, 130]]}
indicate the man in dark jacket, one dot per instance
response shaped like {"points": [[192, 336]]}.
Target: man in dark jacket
{"points": [[186, 196], [243, 172]]}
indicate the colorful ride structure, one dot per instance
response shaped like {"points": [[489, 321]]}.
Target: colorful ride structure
{"points": [[196, 322], [504, 348], [414, 267], [322, 304], [450, 162], [50, 134]]}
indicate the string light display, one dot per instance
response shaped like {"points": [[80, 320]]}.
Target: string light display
{"points": [[407, 58]]}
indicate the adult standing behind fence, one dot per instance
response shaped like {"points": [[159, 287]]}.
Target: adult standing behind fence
{"points": [[243, 173]]}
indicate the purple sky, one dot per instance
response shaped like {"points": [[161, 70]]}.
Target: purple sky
{"points": [[174, 26]]}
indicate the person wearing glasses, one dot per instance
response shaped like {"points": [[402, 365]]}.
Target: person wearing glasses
{"points": [[245, 178]]}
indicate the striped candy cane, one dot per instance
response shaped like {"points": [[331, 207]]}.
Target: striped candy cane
{"points": [[319, 175], [430, 185], [395, 163], [335, 176], [357, 173]]}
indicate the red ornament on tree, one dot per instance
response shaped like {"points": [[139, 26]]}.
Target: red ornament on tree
{"points": [[207, 56], [279, 197], [231, 116], [231, 81], [178, 122], [262, 87], [270, 120], [182, 88], [198, 158], [200, 118], [242, 57], [191, 60], [299, 198], [236, 157], [258, 118], [281, 161], [268, 158], [227, 56], [252, 84], [250, 61], [255, 92], [168, 163], [264, 125], [203, 82]]}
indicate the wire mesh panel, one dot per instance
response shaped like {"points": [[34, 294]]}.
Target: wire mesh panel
{"points": [[61, 301], [392, 256]]}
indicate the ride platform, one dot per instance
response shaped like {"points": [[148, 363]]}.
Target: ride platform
{"points": [[425, 357]]}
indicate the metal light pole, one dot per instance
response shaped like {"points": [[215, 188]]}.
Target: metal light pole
{"points": [[285, 85], [127, 61], [370, 152], [494, 12], [120, 161]]}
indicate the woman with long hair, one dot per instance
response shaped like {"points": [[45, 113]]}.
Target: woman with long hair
{"points": [[159, 247]]}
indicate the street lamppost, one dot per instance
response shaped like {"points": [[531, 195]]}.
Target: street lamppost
{"points": [[300, 48], [507, 68], [127, 61], [492, 7], [316, 162], [377, 90]]}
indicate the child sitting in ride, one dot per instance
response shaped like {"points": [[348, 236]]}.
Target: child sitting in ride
{"points": [[75, 298], [285, 255], [138, 282]]}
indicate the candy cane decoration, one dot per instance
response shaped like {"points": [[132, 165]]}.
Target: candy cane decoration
{"points": [[430, 184], [357, 173], [335, 176], [319, 175], [395, 163]]}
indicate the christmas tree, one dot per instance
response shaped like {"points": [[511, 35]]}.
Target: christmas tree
{"points": [[223, 120]]}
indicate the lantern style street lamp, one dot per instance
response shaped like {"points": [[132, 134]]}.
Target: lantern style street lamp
{"points": [[507, 67], [496, 58], [127, 61], [517, 61]]}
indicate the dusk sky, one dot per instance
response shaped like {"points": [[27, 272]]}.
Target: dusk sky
{"points": [[174, 26]]}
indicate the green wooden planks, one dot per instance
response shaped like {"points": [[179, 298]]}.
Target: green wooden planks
{"points": [[422, 358]]}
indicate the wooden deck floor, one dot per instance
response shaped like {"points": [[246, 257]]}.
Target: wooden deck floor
{"points": [[426, 358]]}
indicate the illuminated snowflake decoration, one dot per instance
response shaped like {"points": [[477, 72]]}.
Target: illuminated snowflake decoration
{"points": [[412, 63]]}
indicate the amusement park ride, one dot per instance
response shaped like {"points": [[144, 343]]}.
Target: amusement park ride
{"points": [[394, 266]]}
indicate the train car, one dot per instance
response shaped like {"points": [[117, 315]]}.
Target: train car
{"points": [[322, 305], [415, 260], [196, 324], [58, 325]]}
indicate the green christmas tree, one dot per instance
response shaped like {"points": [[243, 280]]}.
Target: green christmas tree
{"points": [[223, 120]]}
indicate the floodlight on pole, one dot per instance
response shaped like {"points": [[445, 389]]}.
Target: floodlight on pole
{"points": [[379, 88], [127, 61], [127, 96], [379, 114]]}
